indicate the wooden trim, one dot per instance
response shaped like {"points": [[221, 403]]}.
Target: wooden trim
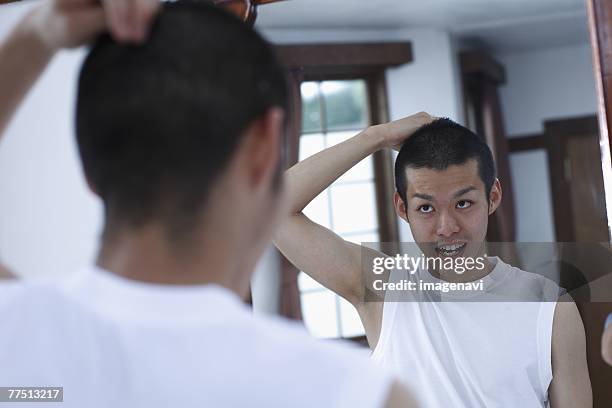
{"points": [[562, 210], [294, 122], [477, 62], [527, 142], [600, 25], [320, 56], [600, 30], [555, 131], [337, 73], [383, 161], [481, 76], [573, 126], [290, 303]]}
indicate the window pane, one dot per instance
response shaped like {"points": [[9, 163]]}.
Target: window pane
{"points": [[346, 104], [311, 144], [318, 209], [362, 171], [351, 323], [354, 207], [311, 107], [305, 282], [319, 312]]}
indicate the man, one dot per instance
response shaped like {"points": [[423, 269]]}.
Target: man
{"points": [[180, 136], [463, 353]]}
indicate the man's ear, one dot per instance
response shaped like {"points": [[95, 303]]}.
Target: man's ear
{"points": [[400, 207], [262, 143], [495, 196]]}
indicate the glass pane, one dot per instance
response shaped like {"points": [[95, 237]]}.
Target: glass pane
{"points": [[362, 171], [359, 238], [354, 207], [350, 321], [311, 144], [319, 312], [346, 104], [318, 209], [305, 282], [311, 107]]}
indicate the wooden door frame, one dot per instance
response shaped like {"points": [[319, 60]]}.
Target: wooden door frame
{"points": [[552, 140], [556, 134]]}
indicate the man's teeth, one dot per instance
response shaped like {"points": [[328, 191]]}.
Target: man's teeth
{"points": [[451, 248]]}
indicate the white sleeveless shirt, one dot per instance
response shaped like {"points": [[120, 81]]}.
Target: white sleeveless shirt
{"points": [[473, 354], [113, 342]]}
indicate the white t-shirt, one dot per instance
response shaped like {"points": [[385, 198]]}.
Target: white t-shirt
{"points": [[113, 342], [464, 353]]}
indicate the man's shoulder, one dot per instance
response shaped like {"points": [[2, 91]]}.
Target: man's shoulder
{"points": [[534, 286], [29, 294], [335, 368], [35, 305]]}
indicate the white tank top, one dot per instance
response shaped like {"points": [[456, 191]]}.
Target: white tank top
{"points": [[473, 354]]}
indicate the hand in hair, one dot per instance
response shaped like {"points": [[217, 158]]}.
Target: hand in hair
{"points": [[393, 134], [71, 23]]}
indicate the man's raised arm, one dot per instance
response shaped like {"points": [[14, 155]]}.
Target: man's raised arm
{"points": [[316, 250]]}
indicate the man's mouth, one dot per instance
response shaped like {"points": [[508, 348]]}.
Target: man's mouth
{"points": [[451, 249]]}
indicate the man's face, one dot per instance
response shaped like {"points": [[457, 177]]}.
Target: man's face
{"points": [[448, 210]]}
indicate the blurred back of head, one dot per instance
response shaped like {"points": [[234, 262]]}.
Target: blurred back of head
{"points": [[157, 124]]}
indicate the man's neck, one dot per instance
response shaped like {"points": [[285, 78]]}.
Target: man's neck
{"points": [[146, 255]]}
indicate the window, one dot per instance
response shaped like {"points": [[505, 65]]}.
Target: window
{"points": [[337, 90], [333, 111]]}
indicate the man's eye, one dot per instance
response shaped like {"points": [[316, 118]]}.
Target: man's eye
{"points": [[425, 209], [464, 204]]}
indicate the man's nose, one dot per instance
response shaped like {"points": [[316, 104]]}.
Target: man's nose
{"points": [[447, 225]]}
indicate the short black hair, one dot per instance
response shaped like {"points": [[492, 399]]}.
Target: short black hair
{"points": [[440, 144], [157, 123]]}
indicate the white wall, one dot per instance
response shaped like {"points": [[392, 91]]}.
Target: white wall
{"points": [[49, 220], [541, 85], [547, 84], [429, 83], [532, 197]]}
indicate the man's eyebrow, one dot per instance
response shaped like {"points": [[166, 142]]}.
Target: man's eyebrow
{"points": [[463, 191], [423, 196], [457, 194]]}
